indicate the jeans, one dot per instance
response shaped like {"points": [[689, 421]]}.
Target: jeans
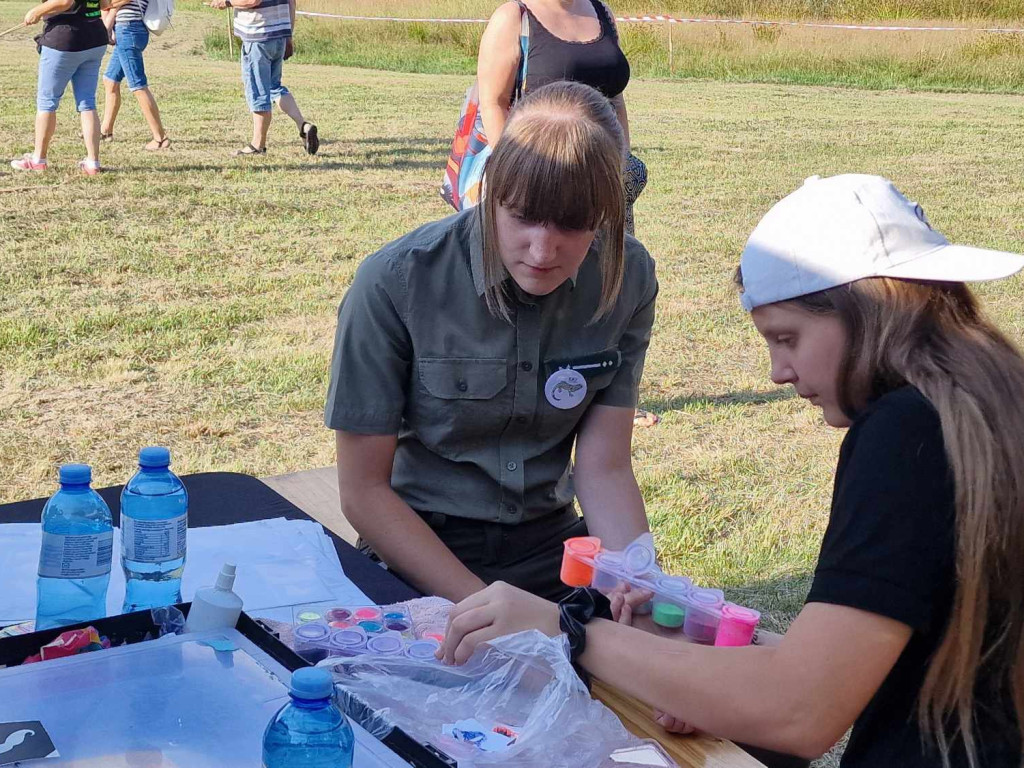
{"points": [[261, 73], [58, 68], [126, 60]]}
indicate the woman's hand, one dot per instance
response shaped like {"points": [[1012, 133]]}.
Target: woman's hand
{"points": [[34, 15], [624, 599], [498, 610]]}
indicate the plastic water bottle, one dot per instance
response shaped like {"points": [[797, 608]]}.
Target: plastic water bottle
{"points": [[309, 731], [74, 560], [154, 524]]}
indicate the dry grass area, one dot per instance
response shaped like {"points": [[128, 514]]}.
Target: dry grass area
{"points": [[188, 298]]}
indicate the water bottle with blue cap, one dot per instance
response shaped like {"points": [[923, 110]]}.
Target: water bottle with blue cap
{"points": [[74, 560], [309, 731], [154, 523]]}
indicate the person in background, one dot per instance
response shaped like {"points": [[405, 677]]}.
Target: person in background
{"points": [[265, 28], [473, 355], [126, 28], [71, 47], [913, 631], [569, 40]]}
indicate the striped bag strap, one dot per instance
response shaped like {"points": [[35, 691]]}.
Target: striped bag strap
{"points": [[524, 52]]}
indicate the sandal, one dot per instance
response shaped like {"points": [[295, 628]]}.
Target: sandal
{"points": [[642, 418], [310, 139], [157, 144], [106, 136], [248, 150]]}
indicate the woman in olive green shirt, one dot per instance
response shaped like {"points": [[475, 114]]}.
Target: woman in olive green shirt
{"points": [[473, 354]]}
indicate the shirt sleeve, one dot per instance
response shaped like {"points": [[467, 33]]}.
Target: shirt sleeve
{"points": [[624, 390], [889, 546], [372, 358]]}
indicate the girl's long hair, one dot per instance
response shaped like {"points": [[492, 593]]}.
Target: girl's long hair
{"points": [[933, 336], [558, 161]]}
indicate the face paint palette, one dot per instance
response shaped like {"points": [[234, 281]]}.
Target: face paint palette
{"points": [[316, 641], [701, 614]]}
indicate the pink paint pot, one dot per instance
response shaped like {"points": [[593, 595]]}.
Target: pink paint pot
{"points": [[737, 625], [370, 613], [341, 624]]}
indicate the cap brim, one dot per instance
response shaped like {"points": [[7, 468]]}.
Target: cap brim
{"points": [[958, 264]]}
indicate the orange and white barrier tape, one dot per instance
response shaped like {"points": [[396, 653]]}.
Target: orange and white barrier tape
{"points": [[660, 19]]}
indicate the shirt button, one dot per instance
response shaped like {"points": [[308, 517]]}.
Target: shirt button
{"points": [[461, 385], [511, 466], [520, 419], [527, 366]]}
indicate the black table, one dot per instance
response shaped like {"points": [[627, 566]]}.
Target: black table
{"points": [[222, 498]]}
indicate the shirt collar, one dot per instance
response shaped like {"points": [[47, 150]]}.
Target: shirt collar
{"points": [[476, 253]]}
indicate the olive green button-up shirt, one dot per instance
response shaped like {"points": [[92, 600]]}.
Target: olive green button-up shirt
{"points": [[418, 354]]}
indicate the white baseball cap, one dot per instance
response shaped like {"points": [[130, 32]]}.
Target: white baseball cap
{"points": [[844, 228]]}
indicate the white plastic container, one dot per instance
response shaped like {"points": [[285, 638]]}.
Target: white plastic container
{"points": [[215, 607]]}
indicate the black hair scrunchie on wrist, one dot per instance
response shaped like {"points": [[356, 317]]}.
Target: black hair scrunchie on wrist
{"points": [[574, 612]]}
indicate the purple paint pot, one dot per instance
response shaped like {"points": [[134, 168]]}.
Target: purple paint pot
{"points": [[703, 611], [339, 614], [397, 625], [372, 627], [423, 650], [386, 645]]}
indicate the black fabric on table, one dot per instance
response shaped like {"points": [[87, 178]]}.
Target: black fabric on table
{"points": [[222, 498]]}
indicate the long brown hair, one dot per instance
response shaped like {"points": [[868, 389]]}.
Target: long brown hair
{"points": [[934, 337], [558, 161]]}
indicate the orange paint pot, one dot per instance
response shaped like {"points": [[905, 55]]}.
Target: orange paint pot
{"points": [[577, 561]]}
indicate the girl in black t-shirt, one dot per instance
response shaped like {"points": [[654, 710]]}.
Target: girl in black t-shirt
{"points": [[913, 631], [71, 47]]}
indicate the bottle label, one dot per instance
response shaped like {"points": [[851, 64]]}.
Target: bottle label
{"points": [[153, 541], [75, 557]]}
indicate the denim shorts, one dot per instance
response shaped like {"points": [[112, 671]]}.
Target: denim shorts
{"points": [[261, 73], [126, 60], [58, 68]]}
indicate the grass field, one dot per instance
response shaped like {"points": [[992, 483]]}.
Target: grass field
{"points": [[188, 298], [940, 61]]}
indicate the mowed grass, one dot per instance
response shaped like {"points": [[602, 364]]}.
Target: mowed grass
{"points": [[188, 298], [939, 60]]}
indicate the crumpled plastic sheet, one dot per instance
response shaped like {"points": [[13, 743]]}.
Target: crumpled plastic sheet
{"points": [[523, 681]]}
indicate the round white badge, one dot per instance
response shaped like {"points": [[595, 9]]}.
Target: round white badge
{"points": [[565, 389]]}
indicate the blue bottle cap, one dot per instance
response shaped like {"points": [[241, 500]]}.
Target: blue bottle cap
{"points": [[155, 456], [75, 474], [312, 683]]}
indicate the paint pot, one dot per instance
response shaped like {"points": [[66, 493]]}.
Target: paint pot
{"points": [[703, 607], [396, 625], [607, 566], [350, 641], [370, 613], [669, 608], [385, 645], [341, 624], [432, 633], [307, 616], [371, 627], [577, 571], [668, 615], [311, 640], [395, 616], [737, 625], [638, 559], [339, 614], [422, 650]]}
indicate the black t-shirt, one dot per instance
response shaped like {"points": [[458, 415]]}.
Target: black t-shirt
{"points": [[80, 29], [890, 549]]}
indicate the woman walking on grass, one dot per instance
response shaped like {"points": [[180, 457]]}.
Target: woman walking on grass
{"points": [[913, 631], [71, 47], [131, 36]]}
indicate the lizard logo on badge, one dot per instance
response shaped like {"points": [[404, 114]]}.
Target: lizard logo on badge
{"points": [[565, 389]]}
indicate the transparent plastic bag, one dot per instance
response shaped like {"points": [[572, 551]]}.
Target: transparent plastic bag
{"points": [[522, 683]]}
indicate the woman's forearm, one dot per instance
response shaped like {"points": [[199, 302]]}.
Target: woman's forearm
{"points": [[619, 104], [612, 505], [408, 545], [493, 117]]}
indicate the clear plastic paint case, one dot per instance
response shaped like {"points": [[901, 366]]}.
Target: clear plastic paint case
{"points": [[677, 604], [345, 631]]}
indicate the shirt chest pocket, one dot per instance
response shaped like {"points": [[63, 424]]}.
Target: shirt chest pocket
{"points": [[460, 403], [598, 371]]}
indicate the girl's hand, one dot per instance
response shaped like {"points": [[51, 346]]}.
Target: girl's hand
{"points": [[672, 724], [34, 15], [498, 610], [624, 599]]}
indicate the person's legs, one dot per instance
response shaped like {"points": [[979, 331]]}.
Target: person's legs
{"points": [[151, 112], [132, 39], [112, 89], [260, 128], [55, 71], [46, 124], [256, 76], [83, 82]]}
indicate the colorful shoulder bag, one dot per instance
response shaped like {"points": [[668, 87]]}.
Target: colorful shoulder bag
{"points": [[463, 180]]}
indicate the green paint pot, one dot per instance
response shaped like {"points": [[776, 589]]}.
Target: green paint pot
{"points": [[668, 615]]}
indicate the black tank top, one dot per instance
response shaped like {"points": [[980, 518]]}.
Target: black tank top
{"points": [[78, 29], [599, 63]]}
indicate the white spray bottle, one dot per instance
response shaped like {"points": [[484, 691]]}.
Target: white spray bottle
{"points": [[215, 607]]}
